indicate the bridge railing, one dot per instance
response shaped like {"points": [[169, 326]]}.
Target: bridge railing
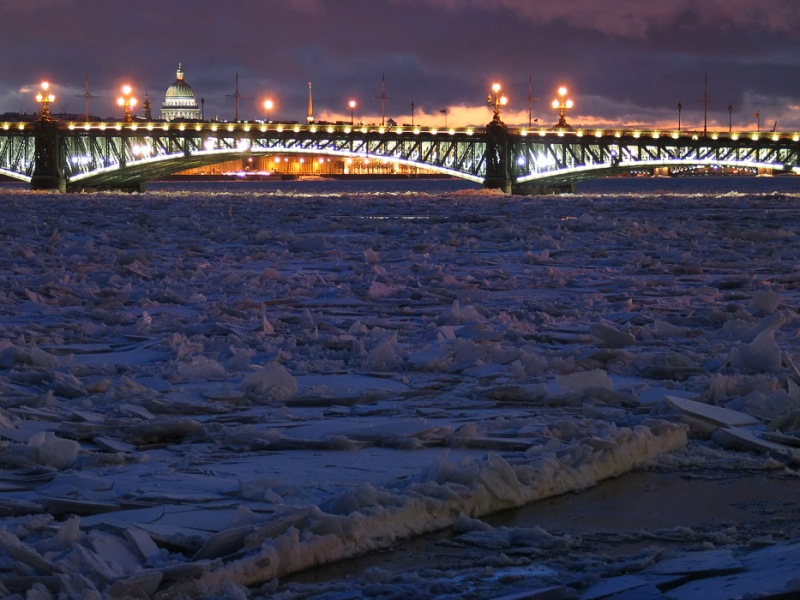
{"points": [[103, 153], [342, 128]]}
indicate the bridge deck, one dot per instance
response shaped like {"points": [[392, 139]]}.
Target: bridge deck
{"points": [[107, 154]]}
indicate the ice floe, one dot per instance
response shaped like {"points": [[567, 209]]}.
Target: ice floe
{"points": [[202, 394]]}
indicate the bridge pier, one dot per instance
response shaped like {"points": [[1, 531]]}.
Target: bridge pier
{"points": [[498, 176], [48, 173]]}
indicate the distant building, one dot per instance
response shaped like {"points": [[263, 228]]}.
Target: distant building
{"points": [[180, 103]]}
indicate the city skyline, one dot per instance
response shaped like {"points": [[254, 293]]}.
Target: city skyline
{"points": [[624, 63]]}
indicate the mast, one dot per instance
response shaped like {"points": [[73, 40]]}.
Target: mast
{"points": [[236, 97], [310, 116], [383, 97], [705, 104], [86, 96], [531, 100]]}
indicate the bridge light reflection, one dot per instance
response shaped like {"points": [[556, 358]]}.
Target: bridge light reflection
{"points": [[141, 150]]}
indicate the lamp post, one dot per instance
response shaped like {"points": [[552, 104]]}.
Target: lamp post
{"points": [[127, 102], [562, 104], [352, 106], [680, 108], [730, 118], [496, 102], [45, 97], [268, 106]]}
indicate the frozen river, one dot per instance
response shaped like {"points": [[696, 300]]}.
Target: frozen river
{"points": [[224, 390]]}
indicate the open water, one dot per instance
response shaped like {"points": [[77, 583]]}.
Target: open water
{"points": [[611, 185]]}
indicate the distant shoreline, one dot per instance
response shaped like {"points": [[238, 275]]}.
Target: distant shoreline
{"points": [[301, 177]]}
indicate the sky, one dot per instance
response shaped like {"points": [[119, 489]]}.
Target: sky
{"points": [[625, 62]]}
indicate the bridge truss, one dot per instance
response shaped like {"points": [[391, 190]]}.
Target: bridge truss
{"points": [[126, 155]]}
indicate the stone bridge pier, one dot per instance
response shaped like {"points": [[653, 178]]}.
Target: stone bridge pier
{"points": [[48, 173]]}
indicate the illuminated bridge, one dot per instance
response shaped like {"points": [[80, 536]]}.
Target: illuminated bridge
{"points": [[73, 156]]}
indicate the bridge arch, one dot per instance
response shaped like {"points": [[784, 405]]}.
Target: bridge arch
{"points": [[126, 155]]}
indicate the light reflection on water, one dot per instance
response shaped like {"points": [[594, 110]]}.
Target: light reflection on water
{"points": [[789, 184]]}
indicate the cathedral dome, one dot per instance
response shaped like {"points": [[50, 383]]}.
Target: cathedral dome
{"points": [[179, 101], [180, 89]]}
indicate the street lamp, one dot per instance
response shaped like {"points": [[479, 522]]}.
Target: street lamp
{"points": [[127, 102], [352, 106], [562, 104], [268, 105], [45, 97], [680, 108], [496, 101], [730, 118]]}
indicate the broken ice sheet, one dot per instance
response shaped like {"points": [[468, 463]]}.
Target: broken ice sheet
{"points": [[338, 374]]}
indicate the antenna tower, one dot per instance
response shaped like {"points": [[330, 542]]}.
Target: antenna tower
{"points": [[310, 116], [86, 96], [236, 97], [531, 100], [383, 98]]}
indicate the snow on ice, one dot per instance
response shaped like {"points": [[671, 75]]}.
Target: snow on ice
{"points": [[203, 393]]}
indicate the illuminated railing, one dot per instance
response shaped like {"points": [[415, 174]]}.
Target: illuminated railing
{"points": [[338, 128]]}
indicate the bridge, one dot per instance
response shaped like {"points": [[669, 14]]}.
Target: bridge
{"points": [[75, 156]]}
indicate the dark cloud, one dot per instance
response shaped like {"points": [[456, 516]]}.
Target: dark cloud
{"points": [[626, 61]]}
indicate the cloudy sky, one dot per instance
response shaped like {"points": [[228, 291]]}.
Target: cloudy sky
{"points": [[625, 62]]}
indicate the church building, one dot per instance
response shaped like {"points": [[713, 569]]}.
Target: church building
{"points": [[180, 103]]}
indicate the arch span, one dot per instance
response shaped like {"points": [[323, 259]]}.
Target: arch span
{"points": [[102, 155]]}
